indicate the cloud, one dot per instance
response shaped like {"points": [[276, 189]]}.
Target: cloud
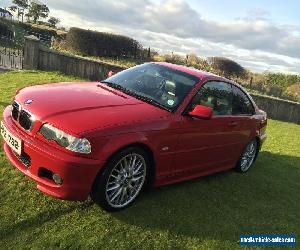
{"points": [[257, 14], [176, 17], [173, 25]]}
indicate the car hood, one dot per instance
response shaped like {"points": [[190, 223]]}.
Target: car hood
{"points": [[82, 107]]}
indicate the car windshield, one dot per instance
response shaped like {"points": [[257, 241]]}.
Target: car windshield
{"points": [[158, 85]]}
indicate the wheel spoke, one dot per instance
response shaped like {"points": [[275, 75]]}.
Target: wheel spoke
{"points": [[140, 172], [137, 178], [124, 191], [130, 161], [111, 183], [116, 177], [126, 164], [122, 167], [112, 188], [134, 160], [136, 170], [116, 194], [131, 191], [132, 165]]}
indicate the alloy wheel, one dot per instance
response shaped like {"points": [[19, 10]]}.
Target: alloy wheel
{"points": [[248, 156], [126, 180]]}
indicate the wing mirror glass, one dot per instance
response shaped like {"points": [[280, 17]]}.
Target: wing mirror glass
{"points": [[110, 73], [201, 112]]}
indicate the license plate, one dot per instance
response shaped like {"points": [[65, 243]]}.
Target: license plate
{"points": [[13, 142]]}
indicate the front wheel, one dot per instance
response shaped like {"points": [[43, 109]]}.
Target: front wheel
{"points": [[248, 157], [122, 179]]}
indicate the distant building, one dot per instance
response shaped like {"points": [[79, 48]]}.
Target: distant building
{"points": [[5, 14]]}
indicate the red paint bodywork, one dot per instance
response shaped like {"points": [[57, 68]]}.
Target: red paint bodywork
{"points": [[182, 147]]}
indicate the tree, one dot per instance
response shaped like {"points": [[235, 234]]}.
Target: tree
{"points": [[37, 10], [53, 21], [226, 66], [19, 6]]}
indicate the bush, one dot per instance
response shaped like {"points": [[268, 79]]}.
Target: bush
{"points": [[175, 58], [280, 79], [226, 66], [93, 43], [31, 30], [279, 85]]}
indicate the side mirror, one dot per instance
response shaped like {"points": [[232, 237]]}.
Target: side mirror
{"points": [[110, 73], [201, 112]]}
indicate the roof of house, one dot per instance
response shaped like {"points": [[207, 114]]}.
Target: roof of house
{"points": [[5, 11]]}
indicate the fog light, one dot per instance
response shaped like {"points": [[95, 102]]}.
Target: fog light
{"points": [[57, 179]]}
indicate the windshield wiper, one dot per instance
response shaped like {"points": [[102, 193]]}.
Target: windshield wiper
{"points": [[136, 95], [119, 87], [114, 85], [150, 100]]}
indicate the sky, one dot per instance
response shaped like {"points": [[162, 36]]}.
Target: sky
{"points": [[261, 35]]}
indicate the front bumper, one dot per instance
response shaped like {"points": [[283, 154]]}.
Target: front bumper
{"points": [[78, 173]]}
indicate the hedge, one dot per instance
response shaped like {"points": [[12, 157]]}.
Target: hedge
{"points": [[93, 43]]}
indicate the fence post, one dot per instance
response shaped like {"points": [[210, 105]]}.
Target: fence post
{"points": [[31, 53]]}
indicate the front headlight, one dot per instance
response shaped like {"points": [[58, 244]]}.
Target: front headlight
{"points": [[79, 145]]}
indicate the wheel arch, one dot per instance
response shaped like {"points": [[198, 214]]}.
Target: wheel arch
{"points": [[148, 151]]}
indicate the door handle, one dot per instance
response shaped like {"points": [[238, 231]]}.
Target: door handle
{"points": [[232, 124]]}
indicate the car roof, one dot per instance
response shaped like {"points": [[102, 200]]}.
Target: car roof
{"points": [[201, 74]]}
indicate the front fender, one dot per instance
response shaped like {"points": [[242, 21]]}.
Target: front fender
{"points": [[112, 144]]}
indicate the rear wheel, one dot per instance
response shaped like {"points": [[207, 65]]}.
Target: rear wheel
{"points": [[248, 157], [122, 180]]}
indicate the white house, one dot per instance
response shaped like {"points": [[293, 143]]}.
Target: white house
{"points": [[5, 14]]}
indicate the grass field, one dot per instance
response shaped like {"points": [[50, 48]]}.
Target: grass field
{"points": [[206, 213]]}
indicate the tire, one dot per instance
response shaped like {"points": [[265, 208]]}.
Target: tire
{"points": [[248, 157], [122, 180]]}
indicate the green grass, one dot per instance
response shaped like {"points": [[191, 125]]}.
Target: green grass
{"points": [[206, 213]]}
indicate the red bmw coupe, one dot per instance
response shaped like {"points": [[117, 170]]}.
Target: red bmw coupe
{"points": [[153, 124]]}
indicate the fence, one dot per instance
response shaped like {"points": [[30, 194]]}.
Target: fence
{"points": [[11, 58], [42, 58], [71, 65], [278, 109], [38, 57], [11, 48], [11, 53]]}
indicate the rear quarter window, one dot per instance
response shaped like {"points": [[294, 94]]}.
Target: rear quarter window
{"points": [[241, 104]]}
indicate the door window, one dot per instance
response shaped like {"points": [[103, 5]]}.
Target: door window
{"points": [[216, 95]]}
